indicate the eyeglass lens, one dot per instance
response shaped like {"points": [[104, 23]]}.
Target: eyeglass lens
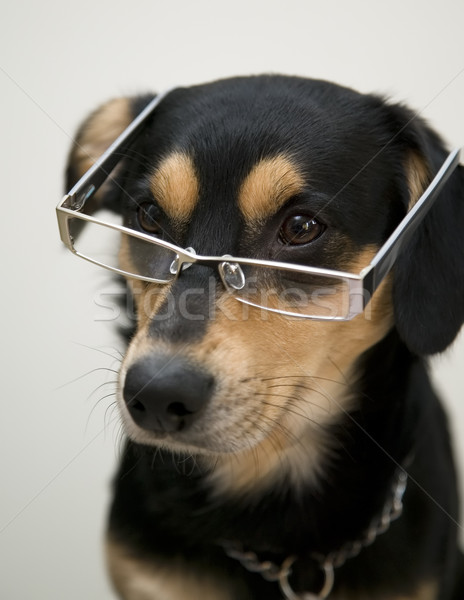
{"points": [[270, 288], [115, 250], [288, 291]]}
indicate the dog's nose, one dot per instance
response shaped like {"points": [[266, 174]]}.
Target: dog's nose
{"points": [[165, 393]]}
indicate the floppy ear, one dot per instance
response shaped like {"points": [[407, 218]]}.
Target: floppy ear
{"points": [[428, 277], [94, 136]]}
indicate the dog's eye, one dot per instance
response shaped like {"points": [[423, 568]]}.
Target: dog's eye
{"points": [[147, 215], [300, 229]]}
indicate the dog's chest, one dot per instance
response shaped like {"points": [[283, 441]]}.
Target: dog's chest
{"points": [[139, 580]]}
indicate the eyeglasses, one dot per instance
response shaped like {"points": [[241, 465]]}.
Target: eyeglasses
{"points": [[289, 289]]}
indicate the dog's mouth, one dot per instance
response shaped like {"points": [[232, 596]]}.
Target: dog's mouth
{"points": [[244, 433]]}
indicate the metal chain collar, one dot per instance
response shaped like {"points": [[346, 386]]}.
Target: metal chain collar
{"points": [[270, 571]]}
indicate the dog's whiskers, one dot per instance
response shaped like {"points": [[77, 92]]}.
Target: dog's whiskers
{"points": [[306, 388], [181, 463], [91, 372], [109, 418], [99, 401], [290, 409], [112, 382], [118, 358], [156, 455], [296, 397], [303, 376], [285, 431]]}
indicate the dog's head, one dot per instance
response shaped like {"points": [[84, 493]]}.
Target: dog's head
{"points": [[281, 169]]}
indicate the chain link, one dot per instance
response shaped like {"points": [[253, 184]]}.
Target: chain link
{"points": [[250, 561], [270, 571], [392, 510]]}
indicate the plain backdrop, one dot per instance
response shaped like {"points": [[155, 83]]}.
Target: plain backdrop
{"points": [[59, 432]]}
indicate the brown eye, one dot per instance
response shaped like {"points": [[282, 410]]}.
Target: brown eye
{"points": [[147, 215], [300, 229]]}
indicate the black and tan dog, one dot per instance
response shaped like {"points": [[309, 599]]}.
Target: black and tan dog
{"points": [[268, 454]]}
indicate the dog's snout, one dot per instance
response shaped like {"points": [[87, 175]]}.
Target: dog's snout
{"points": [[165, 393]]}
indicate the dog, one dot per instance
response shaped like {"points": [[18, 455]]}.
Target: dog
{"points": [[275, 452]]}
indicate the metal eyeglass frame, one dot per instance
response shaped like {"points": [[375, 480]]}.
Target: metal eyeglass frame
{"points": [[361, 286]]}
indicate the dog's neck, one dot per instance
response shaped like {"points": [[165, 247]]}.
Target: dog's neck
{"points": [[328, 563]]}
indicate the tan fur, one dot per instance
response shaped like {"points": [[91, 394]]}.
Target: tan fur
{"points": [[148, 297], [418, 178], [99, 132], [270, 184], [279, 382], [175, 186], [135, 579]]}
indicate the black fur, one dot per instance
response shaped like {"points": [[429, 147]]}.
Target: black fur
{"points": [[354, 151]]}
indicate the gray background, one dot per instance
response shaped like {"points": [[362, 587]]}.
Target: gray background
{"points": [[59, 435]]}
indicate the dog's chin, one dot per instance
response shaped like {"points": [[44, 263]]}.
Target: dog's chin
{"points": [[190, 442]]}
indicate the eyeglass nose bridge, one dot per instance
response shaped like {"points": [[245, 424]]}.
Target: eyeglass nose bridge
{"points": [[231, 274], [177, 265]]}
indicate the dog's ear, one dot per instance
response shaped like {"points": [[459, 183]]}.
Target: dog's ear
{"points": [[95, 135], [428, 277]]}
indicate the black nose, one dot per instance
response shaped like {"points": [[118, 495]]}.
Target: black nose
{"points": [[165, 393]]}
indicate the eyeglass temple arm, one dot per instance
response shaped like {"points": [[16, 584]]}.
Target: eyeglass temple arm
{"points": [[388, 253], [89, 183]]}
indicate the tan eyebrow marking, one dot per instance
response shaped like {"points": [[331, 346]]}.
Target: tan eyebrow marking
{"points": [[175, 186], [268, 186]]}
